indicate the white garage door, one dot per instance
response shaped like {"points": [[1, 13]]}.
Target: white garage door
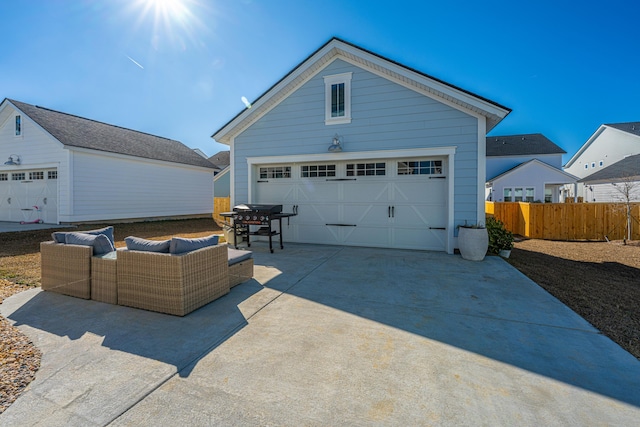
{"points": [[29, 196], [399, 203]]}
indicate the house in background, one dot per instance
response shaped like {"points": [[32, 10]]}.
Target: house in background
{"points": [[221, 178], [368, 152], [619, 182], [610, 144], [524, 168], [63, 168]]}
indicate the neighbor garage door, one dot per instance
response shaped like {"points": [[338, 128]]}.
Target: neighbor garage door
{"points": [[398, 203], [29, 195]]}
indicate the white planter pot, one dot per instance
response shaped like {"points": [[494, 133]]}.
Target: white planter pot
{"points": [[473, 243]]}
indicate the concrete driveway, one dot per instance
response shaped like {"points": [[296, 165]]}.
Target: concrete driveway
{"points": [[330, 336]]}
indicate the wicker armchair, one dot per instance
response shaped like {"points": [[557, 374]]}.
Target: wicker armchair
{"points": [[172, 284], [66, 269]]}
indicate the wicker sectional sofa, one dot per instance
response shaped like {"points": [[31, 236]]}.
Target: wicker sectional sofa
{"points": [[162, 282]]}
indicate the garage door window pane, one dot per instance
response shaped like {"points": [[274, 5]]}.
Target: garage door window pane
{"points": [[422, 167], [4, 177], [317, 171], [36, 175], [52, 175], [17, 176], [366, 169], [275, 172]]}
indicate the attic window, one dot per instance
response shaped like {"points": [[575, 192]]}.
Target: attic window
{"points": [[337, 90], [18, 125]]}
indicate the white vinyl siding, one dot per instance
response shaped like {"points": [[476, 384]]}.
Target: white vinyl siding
{"points": [[103, 188]]}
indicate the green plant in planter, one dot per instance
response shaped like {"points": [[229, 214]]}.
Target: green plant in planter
{"points": [[499, 237]]}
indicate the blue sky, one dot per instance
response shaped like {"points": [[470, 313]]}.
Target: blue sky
{"points": [[179, 69]]}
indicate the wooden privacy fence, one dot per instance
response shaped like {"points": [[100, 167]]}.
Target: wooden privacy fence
{"points": [[567, 221], [220, 204]]}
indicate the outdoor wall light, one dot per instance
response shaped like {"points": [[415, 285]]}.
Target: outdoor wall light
{"points": [[14, 160], [335, 146]]}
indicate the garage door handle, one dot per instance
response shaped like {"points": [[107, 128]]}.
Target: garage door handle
{"points": [[437, 228], [342, 179], [437, 177], [342, 225], [262, 181]]}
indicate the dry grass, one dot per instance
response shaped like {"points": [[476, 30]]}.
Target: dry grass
{"points": [[20, 251]]}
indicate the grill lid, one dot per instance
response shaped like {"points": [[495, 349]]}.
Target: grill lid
{"points": [[252, 207]]}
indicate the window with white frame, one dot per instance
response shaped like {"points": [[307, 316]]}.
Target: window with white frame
{"points": [[17, 176], [4, 176], [593, 164], [36, 175], [366, 169], [52, 174], [586, 165], [506, 195], [337, 99], [517, 194], [529, 194], [18, 125], [601, 163], [275, 172], [317, 171], [422, 167]]}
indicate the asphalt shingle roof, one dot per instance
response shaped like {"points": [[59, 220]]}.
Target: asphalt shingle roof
{"points": [[521, 145], [221, 159], [625, 168], [630, 127], [77, 131]]}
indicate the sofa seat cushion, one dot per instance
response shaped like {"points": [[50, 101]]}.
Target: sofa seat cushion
{"points": [[235, 256], [100, 243], [144, 245], [180, 245]]}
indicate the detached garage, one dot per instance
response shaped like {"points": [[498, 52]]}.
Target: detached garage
{"points": [[366, 151], [62, 168]]}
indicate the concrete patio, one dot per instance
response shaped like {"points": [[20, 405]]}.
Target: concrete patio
{"points": [[329, 335]]}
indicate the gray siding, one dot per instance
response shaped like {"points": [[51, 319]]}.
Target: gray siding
{"points": [[385, 116]]}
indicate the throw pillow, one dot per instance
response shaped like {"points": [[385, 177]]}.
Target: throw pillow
{"points": [[107, 231], [101, 243], [180, 245], [59, 236], [144, 245]]}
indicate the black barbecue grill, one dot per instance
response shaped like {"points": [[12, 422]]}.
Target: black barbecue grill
{"points": [[246, 215]]}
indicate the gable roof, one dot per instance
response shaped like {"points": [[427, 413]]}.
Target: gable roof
{"points": [[221, 159], [625, 168], [336, 48], [519, 145], [629, 127], [632, 128], [74, 131], [569, 178]]}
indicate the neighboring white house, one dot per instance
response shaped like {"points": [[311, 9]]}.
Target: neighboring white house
{"points": [[62, 168], [524, 168], [368, 152], [619, 182], [607, 146], [221, 178]]}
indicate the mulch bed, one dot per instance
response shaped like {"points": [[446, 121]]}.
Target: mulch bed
{"points": [[598, 280]]}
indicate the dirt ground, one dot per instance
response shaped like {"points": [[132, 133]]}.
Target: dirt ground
{"points": [[598, 280]]}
